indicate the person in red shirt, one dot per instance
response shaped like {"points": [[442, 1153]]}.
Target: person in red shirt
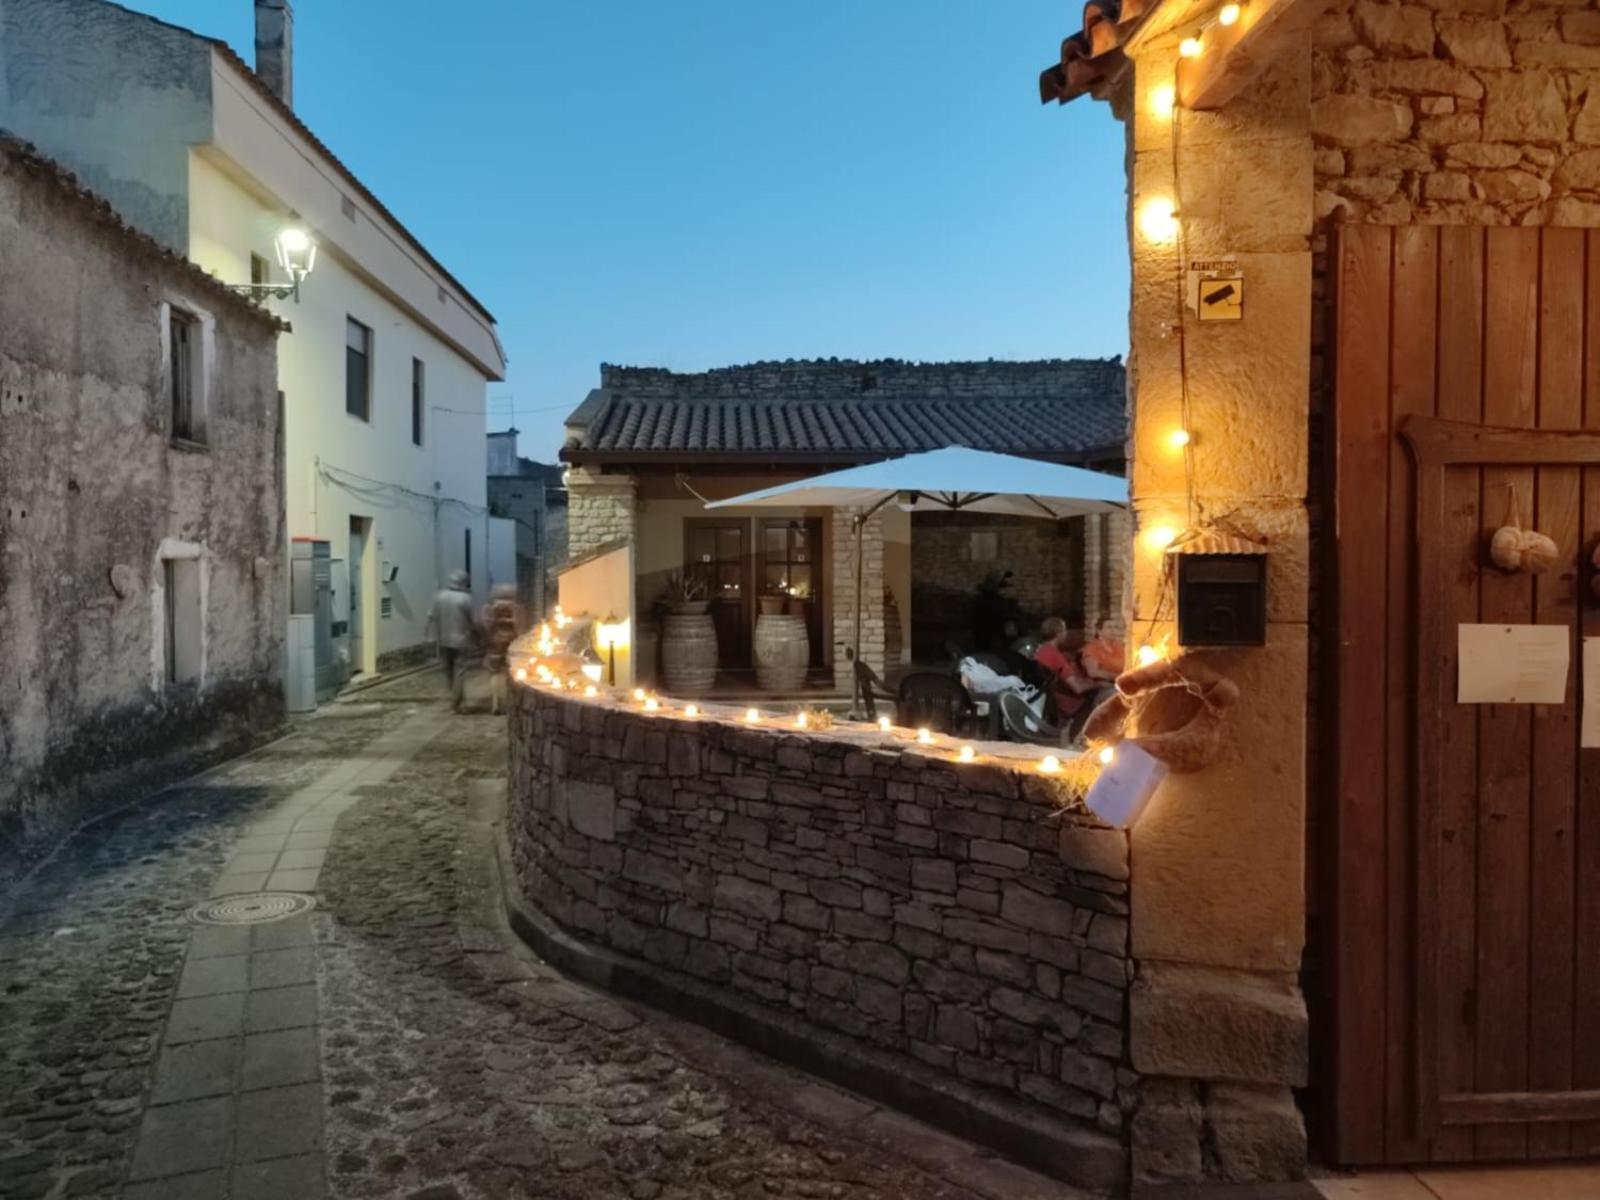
{"points": [[1069, 686], [1104, 658]]}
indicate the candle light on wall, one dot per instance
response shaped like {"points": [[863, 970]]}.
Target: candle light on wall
{"points": [[967, 754], [1107, 754], [752, 716], [801, 720], [924, 737], [522, 674], [884, 724], [1229, 15], [691, 710], [1049, 765], [591, 690], [651, 704], [638, 694]]}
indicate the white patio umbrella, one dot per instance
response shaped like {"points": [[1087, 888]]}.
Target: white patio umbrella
{"points": [[954, 479]]}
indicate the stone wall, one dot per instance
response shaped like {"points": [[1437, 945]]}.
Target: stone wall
{"points": [[844, 594], [601, 511], [1470, 112], [953, 917], [97, 496], [1063, 379]]}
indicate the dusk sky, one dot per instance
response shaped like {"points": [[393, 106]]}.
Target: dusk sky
{"points": [[710, 182]]}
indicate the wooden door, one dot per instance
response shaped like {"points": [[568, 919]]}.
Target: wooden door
{"points": [[790, 550], [1459, 844], [717, 553]]}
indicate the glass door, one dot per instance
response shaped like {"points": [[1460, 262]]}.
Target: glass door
{"points": [[718, 555]]}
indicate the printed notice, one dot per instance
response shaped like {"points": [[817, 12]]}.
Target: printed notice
{"points": [[1589, 730], [1513, 664]]}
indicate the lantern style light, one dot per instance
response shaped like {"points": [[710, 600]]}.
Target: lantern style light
{"points": [[611, 635], [297, 255], [592, 672]]}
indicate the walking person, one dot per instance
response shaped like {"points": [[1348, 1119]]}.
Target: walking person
{"points": [[499, 631], [451, 622]]}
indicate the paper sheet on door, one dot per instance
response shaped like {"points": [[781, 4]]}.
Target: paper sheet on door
{"points": [[1589, 727], [1513, 664]]}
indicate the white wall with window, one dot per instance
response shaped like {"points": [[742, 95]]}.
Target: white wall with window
{"points": [[383, 417]]}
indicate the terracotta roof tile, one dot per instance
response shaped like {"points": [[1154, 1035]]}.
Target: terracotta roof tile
{"points": [[1088, 418], [1092, 58]]}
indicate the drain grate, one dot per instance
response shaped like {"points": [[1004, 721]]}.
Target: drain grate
{"points": [[253, 908]]}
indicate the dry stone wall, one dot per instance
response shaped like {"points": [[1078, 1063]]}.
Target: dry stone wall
{"points": [[1472, 112], [601, 511], [953, 916]]}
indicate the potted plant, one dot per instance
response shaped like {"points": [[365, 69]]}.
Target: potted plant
{"points": [[686, 596]]}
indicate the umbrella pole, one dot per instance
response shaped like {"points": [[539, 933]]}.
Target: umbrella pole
{"points": [[855, 688]]}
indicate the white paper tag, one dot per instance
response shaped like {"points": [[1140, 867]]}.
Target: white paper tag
{"points": [[1123, 790], [1512, 664]]}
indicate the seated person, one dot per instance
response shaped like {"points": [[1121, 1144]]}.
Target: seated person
{"points": [[1070, 688], [1104, 658]]}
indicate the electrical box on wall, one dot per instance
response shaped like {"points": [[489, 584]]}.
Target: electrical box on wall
{"points": [[1222, 591]]}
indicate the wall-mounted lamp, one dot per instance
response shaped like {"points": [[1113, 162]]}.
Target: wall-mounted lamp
{"points": [[297, 255]]}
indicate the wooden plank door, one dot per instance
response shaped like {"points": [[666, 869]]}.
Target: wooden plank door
{"points": [[1461, 843]]}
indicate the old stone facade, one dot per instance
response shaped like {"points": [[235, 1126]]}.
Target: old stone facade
{"points": [[954, 917], [600, 512], [141, 563], [1457, 112]]}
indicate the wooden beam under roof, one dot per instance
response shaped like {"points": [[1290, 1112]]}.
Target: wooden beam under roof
{"points": [[1233, 56]]}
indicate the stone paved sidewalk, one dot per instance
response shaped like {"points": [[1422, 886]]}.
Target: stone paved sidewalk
{"points": [[395, 1042]]}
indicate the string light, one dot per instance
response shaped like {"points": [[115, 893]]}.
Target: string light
{"points": [[652, 704], [1179, 438], [591, 691], [522, 674], [1163, 100], [967, 754], [1107, 754], [1190, 47], [1159, 537], [638, 694], [1148, 656], [1049, 765], [1158, 219], [1229, 15]]}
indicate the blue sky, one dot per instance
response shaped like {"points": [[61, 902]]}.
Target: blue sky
{"points": [[707, 182]]}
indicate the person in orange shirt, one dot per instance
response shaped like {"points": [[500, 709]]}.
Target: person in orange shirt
{"points": [[1104, 658], [1069, 686]]}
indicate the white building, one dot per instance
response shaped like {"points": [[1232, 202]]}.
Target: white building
{"points": [[384, 374]]}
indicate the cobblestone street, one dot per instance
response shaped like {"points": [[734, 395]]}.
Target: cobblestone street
{"points": [[395, 1041]]}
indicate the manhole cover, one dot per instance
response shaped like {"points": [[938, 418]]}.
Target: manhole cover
{"points": [[253, 908]]}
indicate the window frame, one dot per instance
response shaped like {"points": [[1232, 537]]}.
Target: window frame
{"points": [[186, 376], [419, 394], [367, 359]]}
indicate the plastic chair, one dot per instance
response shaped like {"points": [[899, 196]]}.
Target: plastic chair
{"points": [[1024, 725], [869, 689], [935, 702]]}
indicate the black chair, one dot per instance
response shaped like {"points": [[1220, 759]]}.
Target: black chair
{"points": [[937, 702], [869, 690], [1023, 725]]}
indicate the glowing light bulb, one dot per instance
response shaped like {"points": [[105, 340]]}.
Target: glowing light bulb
{"points": [[544, 632], [591, 690], [752, 716], [884, 724], [1229, 15], [691, 710], [801, 720], [966, 754], [1179, 438], [924, 737], [1158, 219], [1049, 764], [1148, 656], [522, 674], [638, 694], [1158, 537], [652, 704], [1163, 100], [1107, 755], [591, 672], [1190, 47]]}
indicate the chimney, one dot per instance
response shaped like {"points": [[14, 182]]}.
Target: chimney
{"points": [[275, 48]]}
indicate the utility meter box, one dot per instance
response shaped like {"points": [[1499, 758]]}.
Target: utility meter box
{"points": [[1221, 585]]}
